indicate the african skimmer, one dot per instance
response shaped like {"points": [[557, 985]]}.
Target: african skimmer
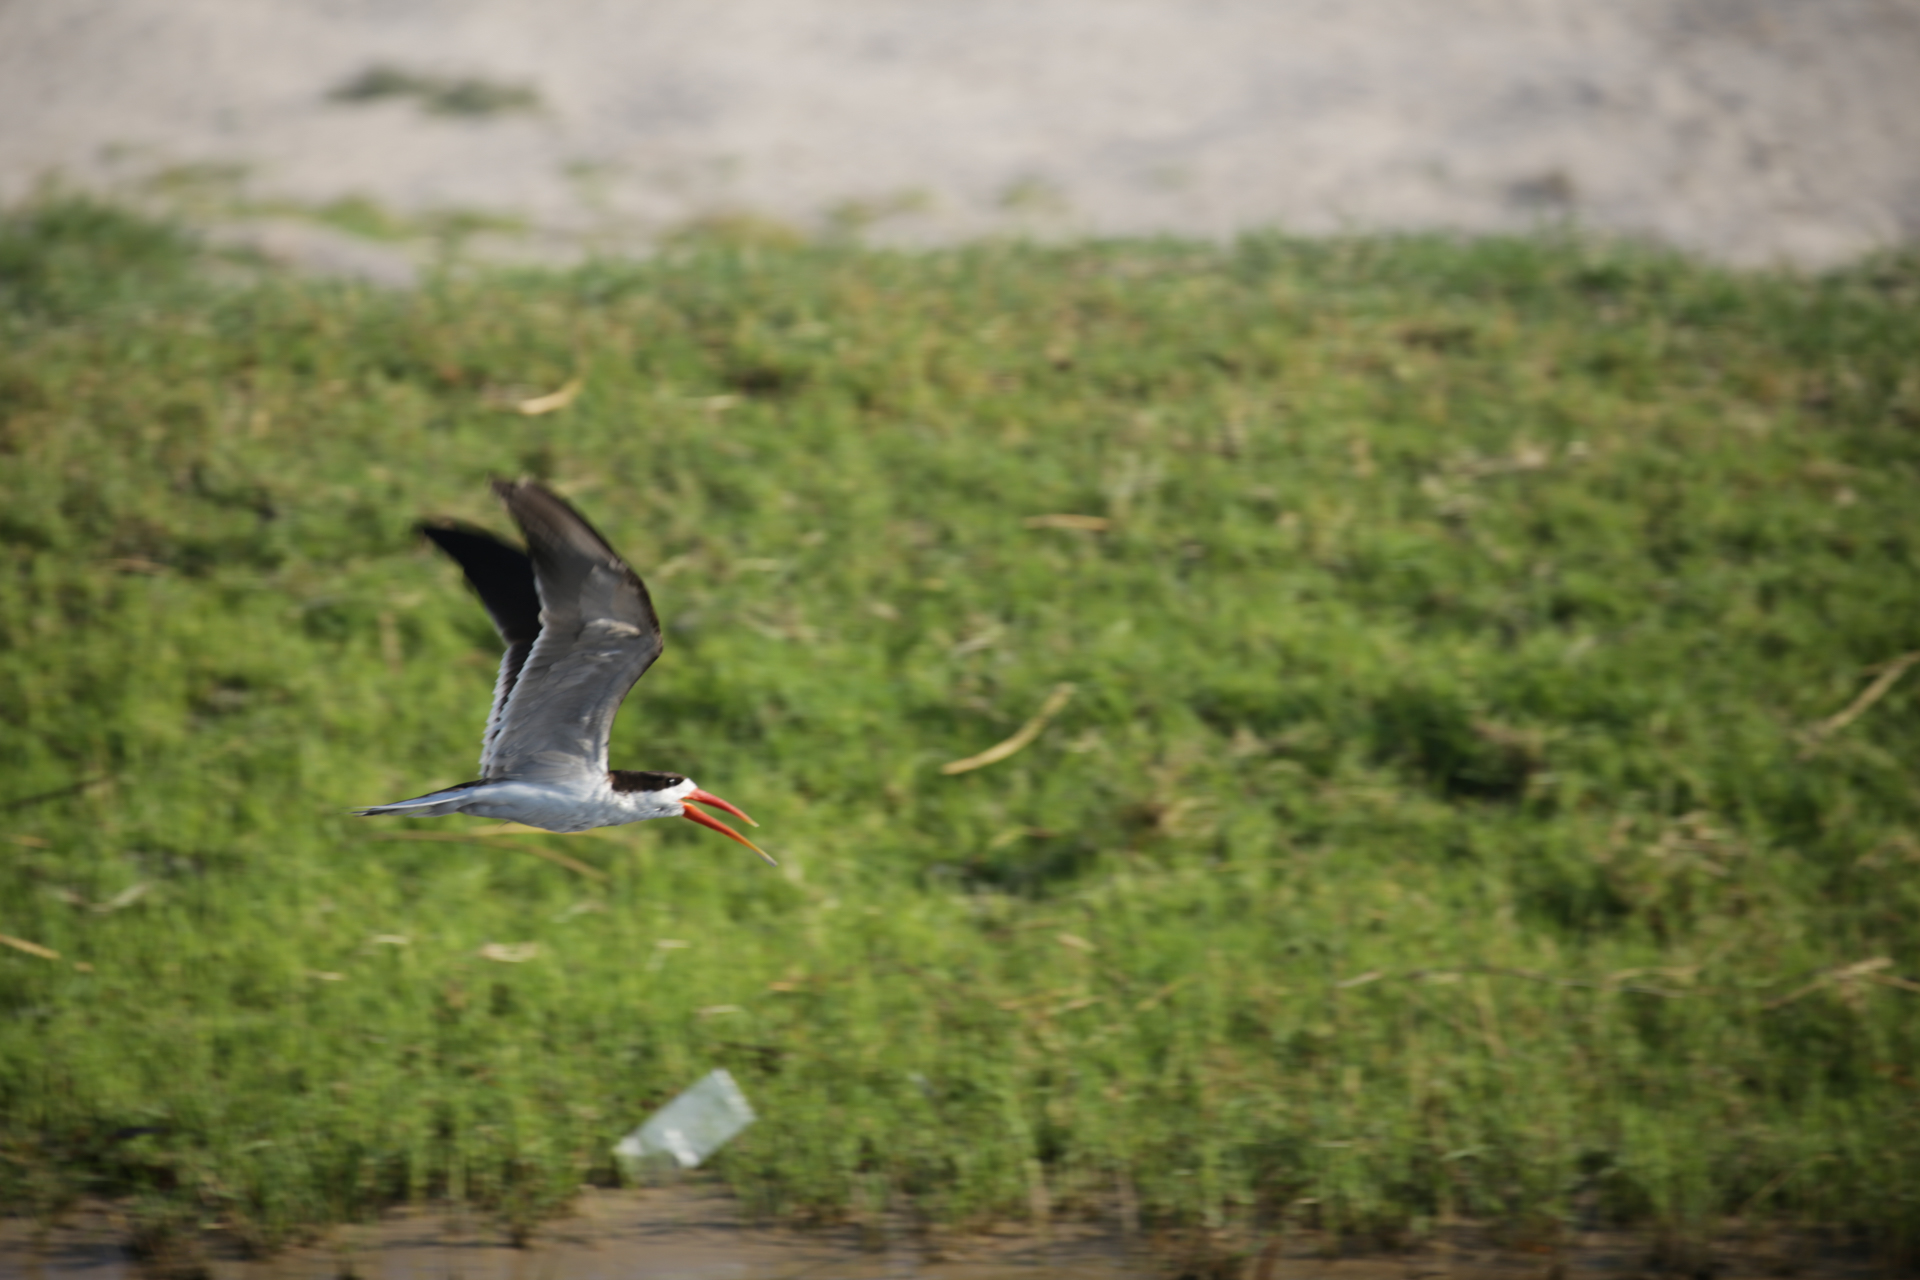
{"points": [[579, 630]]}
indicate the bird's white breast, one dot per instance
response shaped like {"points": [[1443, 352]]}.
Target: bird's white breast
{"points": [[569, 806]]}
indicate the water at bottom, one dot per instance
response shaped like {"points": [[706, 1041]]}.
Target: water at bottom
{"points": [[685, 1232]]}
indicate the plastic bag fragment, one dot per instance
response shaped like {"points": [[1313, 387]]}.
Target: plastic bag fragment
{"points": [[690, 1128]]}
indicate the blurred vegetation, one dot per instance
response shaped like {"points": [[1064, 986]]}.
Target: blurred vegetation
{"points": [[1442, 829], [437, 95]]}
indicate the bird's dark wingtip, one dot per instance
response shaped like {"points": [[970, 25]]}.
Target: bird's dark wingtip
{"points": [[433, 526], [452, 535], [496, 569]]}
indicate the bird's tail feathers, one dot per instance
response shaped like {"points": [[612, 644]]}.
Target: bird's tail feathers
{"points": [[435, 804]]}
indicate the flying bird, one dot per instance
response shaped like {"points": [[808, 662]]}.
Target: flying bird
{"points": [[579, 630]]}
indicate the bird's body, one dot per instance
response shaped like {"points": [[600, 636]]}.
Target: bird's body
{"points": [[565, 806], [579, 629]]}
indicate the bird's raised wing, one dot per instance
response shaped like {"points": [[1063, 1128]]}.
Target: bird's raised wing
{"points": [[598, 634], [502, 576]]}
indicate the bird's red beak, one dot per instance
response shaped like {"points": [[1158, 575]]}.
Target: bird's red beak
{"points": [[692, 814]]}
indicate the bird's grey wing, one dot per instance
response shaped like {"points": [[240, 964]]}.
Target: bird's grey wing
{"points": [[502, 575], [598, 634]]}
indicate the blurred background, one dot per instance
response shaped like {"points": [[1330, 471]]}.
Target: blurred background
{"points": [[355, 137]]}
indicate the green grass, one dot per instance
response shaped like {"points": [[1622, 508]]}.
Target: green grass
{"points": [[1434, 834]]}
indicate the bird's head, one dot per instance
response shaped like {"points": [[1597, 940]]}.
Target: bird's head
{"points": [[672, 795]]}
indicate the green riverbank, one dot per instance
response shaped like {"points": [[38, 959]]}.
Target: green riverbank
{"points": [[1442, 825]]}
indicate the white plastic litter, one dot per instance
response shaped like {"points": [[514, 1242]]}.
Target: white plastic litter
{"points": [[691, 1127]]}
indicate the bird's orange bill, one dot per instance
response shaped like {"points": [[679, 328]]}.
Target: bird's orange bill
{"points": [[692, 814], [707, 797]]}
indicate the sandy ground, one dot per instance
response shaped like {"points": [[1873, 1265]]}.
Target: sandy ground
{"points": [[1752, 131]]}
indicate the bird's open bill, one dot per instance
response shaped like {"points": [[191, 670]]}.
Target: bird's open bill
{"points": [[707, 820]]}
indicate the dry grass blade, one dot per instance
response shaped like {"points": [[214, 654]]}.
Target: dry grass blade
{"points": [[1153, 1000], [1894, 981], [1868, 970], [1780, 1180], [574, 865], [1081, 524], [125, 898], [1890, 673], [1028, 732], [1795, 994], [549, 403], [1615, 982], [31, 948]]}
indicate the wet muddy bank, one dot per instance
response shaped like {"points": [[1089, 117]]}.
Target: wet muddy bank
{"points": [[695, 1232]]}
